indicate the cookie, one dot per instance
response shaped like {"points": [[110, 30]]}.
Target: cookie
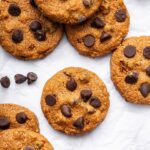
{"points": [[103, 32], [75, 101], [130, 69], [68, 11], [21, 139], [15, 116], [24, 32]]}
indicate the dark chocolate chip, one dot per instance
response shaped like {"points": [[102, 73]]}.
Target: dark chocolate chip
{"points": [[4, 123], [71, 85], [131, 78], [148, 70], [40, 35], [89, 40], [50, 100], [31, 77], [87, 3], [19, 78], [98, 23], [32, 2], [130, 51], [17, 36], [14, 10], [79, 123], [35, 25], [95, 102], [29, 148], [21, 118], [120, 15], [145, 89], [86, 95], [5, 82], [66, 111], [146, 52], [105, 36]]}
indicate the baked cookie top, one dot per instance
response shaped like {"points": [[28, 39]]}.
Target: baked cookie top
{"points": [[130, 69], [24, 32], [103, 32], [75, 101], [21, 139], [68, 11], [15, 116]]}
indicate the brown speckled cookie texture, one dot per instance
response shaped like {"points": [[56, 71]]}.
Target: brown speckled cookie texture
{"points": [[21, 139], [15, 116], [24, 32], [75, 101], [130, 69], [103, 32]]}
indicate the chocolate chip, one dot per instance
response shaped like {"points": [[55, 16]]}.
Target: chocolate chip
{"points": [[86, 95], [29, 148], [105, 36], [130, 51], [21, 118], [131, 78], [14, 10], [66, 111], [89, 40], [79, 123], [32, 2], [120, 15], [145, 89], [40, 35], [148, 70], [95, 102], [87, 3], [19, 78], [50, 100], [98, 23], [5, 82], [31, 77], [17, 36], [35, 25], [71, 85], [146, 52], [4, 123]]}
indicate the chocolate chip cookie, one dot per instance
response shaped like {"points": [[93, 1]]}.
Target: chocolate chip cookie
{"points": [[75, 101], [130, 69], [68, 11], [24, 32], [21, 139], [15, 116], [103, 32]]}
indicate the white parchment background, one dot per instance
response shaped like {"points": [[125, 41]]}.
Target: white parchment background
{"points": [[127, 126]]}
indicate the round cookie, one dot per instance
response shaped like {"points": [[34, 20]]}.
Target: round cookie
{"points": [[15, 116], [68, 11], [75, 101], [24, 32], [130, 69], [21, 139], [103, 32]]}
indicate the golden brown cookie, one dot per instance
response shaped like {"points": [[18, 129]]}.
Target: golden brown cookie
{"points": [[15, 116], [68, 11], [130, 69], [75, 101], [24, 32], [21, 139], [103, 32]]}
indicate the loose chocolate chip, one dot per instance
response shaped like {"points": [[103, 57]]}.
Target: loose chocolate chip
{"points": [[14, 10], [87, 3], [145, 89], [71, 85], [105, 36], [40, 35], [4, 123], [79, 123], [95, 102], [50, 100], [17, 36], [29, 148], [5, 82], [146, 52], [32, 2], [89, 40], [131, 78], [35, 25], [98, 23], [21, 118], [19, 78], [130, 51], [120, 15], [31, 77], [86, 95], [148, 70], [66, 111]]}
